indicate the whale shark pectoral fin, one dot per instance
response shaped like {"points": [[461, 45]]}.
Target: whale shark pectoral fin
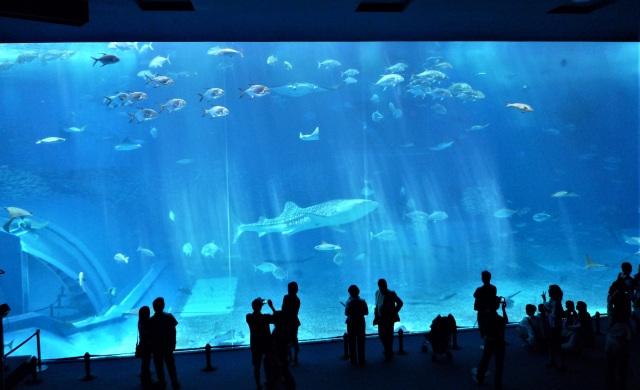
{"points": [[290, 232], [317, 219], [239, 231], [261, 234]]}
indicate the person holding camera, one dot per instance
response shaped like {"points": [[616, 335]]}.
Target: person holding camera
{"points": [[260, 340], [494, 344]]}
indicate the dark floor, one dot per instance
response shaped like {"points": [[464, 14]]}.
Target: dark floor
{"points": [[321, 368]]}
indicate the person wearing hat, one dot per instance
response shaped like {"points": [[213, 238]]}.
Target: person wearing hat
{"points": [[260, 341], [355, 309]]}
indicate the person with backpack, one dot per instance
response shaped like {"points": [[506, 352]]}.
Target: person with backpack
{"points": [[531, 330]]}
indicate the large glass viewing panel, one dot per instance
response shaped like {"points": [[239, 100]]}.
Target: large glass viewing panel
{"points": [[328, 164]]}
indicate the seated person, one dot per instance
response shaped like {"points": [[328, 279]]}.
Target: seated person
{"points": [[531, 330], [587, 335], [542, 314]]}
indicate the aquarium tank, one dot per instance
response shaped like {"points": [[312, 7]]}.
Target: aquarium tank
{"points": [[211, 174]]}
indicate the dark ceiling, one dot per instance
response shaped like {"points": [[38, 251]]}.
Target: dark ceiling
{"points": [[321, 20]]}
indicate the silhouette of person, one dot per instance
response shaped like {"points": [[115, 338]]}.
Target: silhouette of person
{"points": [[260, 340], [355, 309], [554, 311], [587, 335], [494, 344], [484, 297], [281, 339], [531, 329], [388, 304], [290, 309], [144, 346], [162, 335], [619, 338]]}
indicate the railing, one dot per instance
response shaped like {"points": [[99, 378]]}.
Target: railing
{"points": [[37, 336]]}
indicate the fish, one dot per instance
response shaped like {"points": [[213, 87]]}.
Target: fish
{"points": [[172, 216], [106, 59], [27, 56], [385, 235], [127, 145], [51, 140], [287, 65], [366, 191], [631, 240], [81, 279], [403, 191], [564, 194], [590, 264], [111, 292], [477, 127], [509, 301], [229, 338], [439, 109], [118, 97], [612, 160], [541, 217], [146, 47], [31, 224], [375, 98], [328, 64], [5, 65], [15, 212], [74, 129], [443, 145], [124, 46], [302, 89], [418, 216], [350, 72], [504, 213], [216, 111], [153, 132], [327, 247], [255, 90], [399, 67], [439, 93], [279, 273], [265, 267], [339, 258], [187, 249], [210, 249], [211, 93], [120, 258], [311, 137], [159, 80], [360, 256], [338, 229], [145, 251], [295, 219], [214, 50], [389, 80], [173, 105], [159, 61], [407, 145], [376, 117], [438, 216], [8, 345], [272, 60], [228, 52], [146, 74], [411, 204], [184, 161], [143, 114], [524, 211], [520, 107], [442, 65], [350, 80], [135, 97], [551, 131]]}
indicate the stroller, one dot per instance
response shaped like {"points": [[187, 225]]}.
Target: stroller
{"points": [[439, 337]]}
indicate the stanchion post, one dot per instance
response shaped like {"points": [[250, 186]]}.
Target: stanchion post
{"points": [[345, 339], [401, 350], [33, 367], [40, 366], [598, 323], [87, 369], [207, 352]]}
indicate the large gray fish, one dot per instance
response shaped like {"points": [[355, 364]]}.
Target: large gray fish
{"points": [[27, 56], [295, 219], [255, 90], [173, 105], [143, 114], [159, 80], [135, 97], [106, 59]]}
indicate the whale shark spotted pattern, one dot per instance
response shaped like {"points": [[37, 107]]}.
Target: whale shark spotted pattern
{"points": [[295, 219]]}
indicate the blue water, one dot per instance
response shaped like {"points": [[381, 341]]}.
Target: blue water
{"points": [[582, 137]]}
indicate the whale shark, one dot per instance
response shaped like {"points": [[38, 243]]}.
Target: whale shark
{"points": [[295, 219]]}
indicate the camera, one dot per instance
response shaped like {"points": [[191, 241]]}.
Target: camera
{"points": [[503, 300]]}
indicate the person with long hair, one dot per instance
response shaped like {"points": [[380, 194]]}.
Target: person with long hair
{"points": [[554, 311]]}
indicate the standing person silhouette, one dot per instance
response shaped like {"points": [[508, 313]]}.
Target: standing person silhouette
{"points": [[144, 346], [261, 341], [493, 341], [484, 296], [554, 311], [162, 335], [388, 304], [355, 309], [290, 309]]}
